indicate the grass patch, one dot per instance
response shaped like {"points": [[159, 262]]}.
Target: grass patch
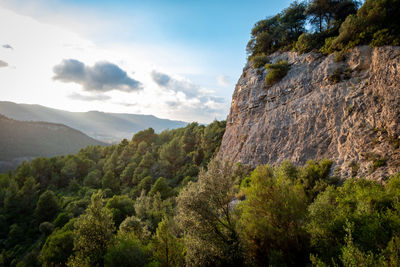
{"points": [[276, 72]]}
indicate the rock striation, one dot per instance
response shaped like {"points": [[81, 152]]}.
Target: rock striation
{"points": [[346, 111]]}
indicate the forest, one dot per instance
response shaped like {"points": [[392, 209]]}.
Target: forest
{"points": [[166, 200]]}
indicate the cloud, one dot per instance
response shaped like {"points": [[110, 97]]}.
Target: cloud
{"points": [[189, 89], [101, 77], [3, 64], [188, 98], [165, 81], [223, 80], [98, 97], [160, 79], [7, 46]]}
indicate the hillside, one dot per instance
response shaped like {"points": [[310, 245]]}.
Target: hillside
{"points": [[346, 111], [107, 127], [20, 140]]}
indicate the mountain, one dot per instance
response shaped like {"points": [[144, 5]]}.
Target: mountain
{"points": [[107, 127], [21, 140], [347, 111]]}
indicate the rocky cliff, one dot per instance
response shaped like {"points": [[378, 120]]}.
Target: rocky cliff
{"points": [[346, 111]]}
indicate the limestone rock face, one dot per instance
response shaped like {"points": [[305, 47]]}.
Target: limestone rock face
{"points": [[308, 115]]}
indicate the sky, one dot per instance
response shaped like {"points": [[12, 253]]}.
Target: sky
{"points": [[173, 59]]}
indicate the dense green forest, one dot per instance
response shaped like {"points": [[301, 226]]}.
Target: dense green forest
{"points": [[45, 203], [164, 200]]}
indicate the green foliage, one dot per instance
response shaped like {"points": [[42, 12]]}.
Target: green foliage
{"points": [[93, 234], [327, 15], [278, 32], [126, 252], [120, 207], [378, 163], [307, 42], [47, 206], [225, 214], [133, 225], [166, 246], [162, 187], [57, 248], [259, 60], [276, 72], [335, 77], [110, 181], [93, 179], [375, 23], [272, 216], [337, 26], [46, 228], [205, 213]]}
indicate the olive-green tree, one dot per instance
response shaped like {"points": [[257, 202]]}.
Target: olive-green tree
{"points": [[206, 214], [93, 234]]}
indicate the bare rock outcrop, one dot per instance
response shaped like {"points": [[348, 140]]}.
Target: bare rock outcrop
{"points": [[347, 111]]}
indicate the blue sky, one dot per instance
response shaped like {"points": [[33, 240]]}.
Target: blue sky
{"points": [[200, 45]]}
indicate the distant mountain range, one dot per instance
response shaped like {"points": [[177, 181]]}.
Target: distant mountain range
{"points": [[106, 127], [22, 140]]}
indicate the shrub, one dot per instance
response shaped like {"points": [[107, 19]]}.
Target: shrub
{"points": [[354, 166], [378, 163], [276, 72], [339, 56], [259, 60], [307, 42], [46, 228], [336, 76]]}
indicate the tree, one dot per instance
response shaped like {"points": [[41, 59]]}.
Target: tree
{"points": [[132, 225], [206, 215], [47, 206], [167, 247], [292, 22], [57, 248], [171, 156], [328, 14], [93, 234], [120, 207], [110, 181], [161, 186], [272, 217], [127, 251], [93, 179]]}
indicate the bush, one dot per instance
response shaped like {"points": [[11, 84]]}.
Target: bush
{"points": [[128, 251], [378, 163], [57, 249], [259, 60], [307, 42], [46, 228], [336, 76], [276, 72]]}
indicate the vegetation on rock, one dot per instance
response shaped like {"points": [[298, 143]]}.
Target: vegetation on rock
{"points": [[326, 26]]}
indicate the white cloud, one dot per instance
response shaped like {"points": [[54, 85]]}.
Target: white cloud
{"points": [[223, 80]]}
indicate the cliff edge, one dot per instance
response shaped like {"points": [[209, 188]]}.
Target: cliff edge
{"points": [[346, 111]]}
